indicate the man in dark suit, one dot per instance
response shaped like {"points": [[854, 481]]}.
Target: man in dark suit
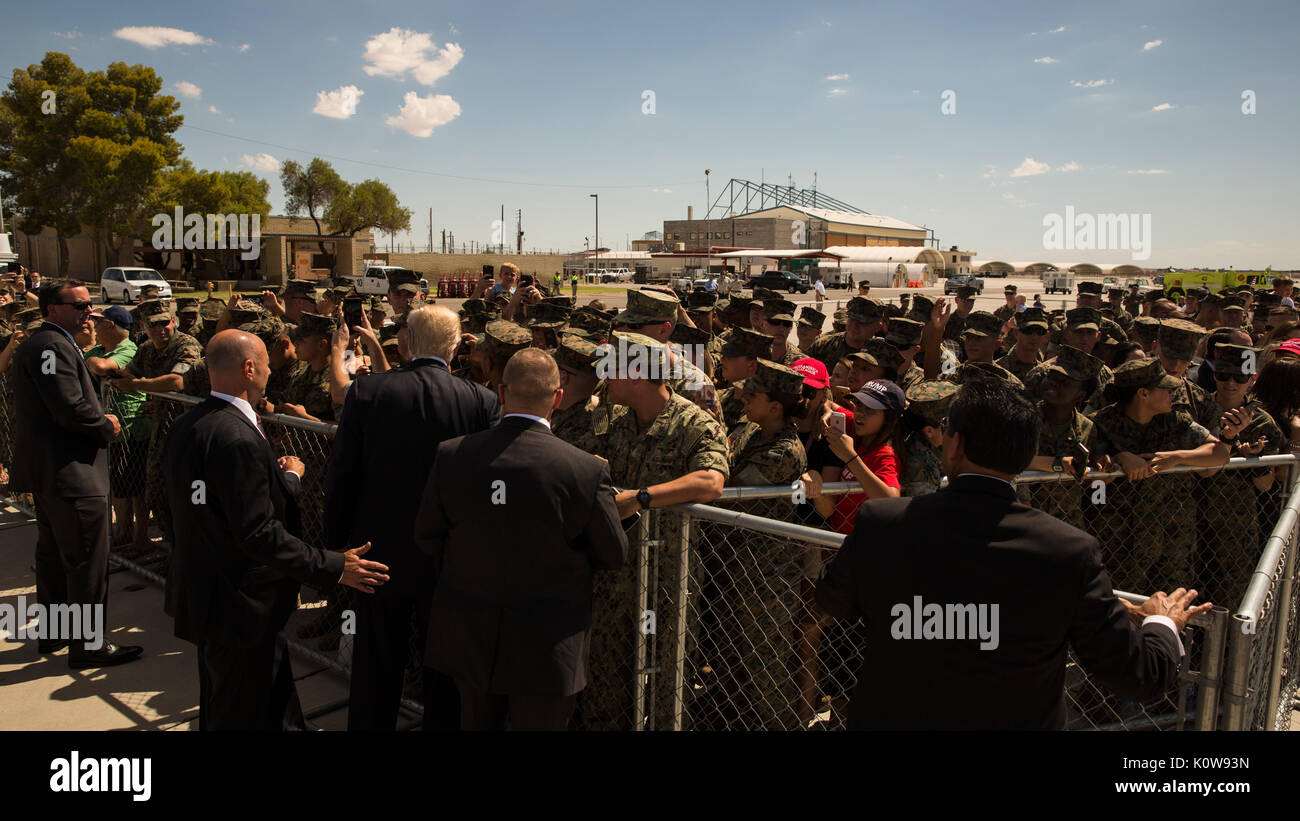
{"points": [[59, 455], [516, 520], [236, 567], [390, 427], [970, 599]]}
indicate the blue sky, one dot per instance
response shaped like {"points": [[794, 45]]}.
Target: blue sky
{"points": [[1127, 107]]}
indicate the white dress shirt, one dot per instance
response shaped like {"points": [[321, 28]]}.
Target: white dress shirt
{"points": [[529, 416]]}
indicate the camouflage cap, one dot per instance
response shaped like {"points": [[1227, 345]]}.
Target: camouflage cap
{"points": [[28, 319], [315, 325], [634, 356], [1144, 373], [378, 304], [187, 305], [336, 294], [864, 357], [689, 335], [864, 309], [212, 308], [270, 331], [1032, 318], [1153, 295], [892, 310], [645, 307], [576, 332], [1232, 303], [590, 320], [811, 318], [982, 323], [576, 354], [761, 293], [904, 331], [922, 305], [390, 342], [561, 301], [1178, 338], [243, 312], [966, 292], [1083, 319], [149, 309], [773, 377], [972, 371], [885, 354], [599, 305], [149, 291], [701, 300], [1090, 288], [930, 400], [1146, 327], [502, 339], [1075, 364], [545, 315], [779, 310], [746, 342], [390, 332], [300, 286], [739, 301], [1235, 360], [1009, 289], [1115, 292], [1111, 334]]}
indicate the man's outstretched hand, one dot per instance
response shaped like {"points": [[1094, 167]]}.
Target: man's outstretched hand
{"points": [[362, 574], [1175, 606]]}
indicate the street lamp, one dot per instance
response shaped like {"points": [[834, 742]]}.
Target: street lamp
{"points": [[597, 196]]}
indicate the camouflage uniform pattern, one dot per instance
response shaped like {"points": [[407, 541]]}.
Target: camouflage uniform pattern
{"points": [[1146, 528], [831, 348], [922, 468], [311, 389], [731, 407], [577, 424], [1018, 368], [1063, 499], [680, 440], [911, 377]]}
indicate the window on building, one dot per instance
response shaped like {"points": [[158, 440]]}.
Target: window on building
{"points": [[726, 235]]}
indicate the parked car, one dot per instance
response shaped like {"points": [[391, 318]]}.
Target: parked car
{"points": [[781, 281], [957, 280], [124, 284], [613, 274]]}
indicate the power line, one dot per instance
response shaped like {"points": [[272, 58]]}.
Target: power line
{"points": [[421, 170]]}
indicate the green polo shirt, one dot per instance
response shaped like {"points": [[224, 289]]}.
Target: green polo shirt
{"points": [[125, 405]]}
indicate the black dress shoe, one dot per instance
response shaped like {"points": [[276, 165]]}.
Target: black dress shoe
{"points": [[47, 646], [106, 656]]}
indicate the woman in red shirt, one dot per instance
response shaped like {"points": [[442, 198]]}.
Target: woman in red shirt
{"points": [[871, 461]]}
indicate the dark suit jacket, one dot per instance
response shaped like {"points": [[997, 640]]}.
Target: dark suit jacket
{"points": [[61, 432], [974, 543], [512, 603], [391, 425], [235, 568]]}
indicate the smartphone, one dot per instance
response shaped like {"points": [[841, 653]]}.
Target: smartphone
{"points": [[488, 272], [1080, 456], [526, 281], [353, 308], [837, 422]]}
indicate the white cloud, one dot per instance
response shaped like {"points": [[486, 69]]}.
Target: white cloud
{"points": [[245, 47], [1046, 60], [1031, 168], [341, 103], [662, 190], [1091, 83], [398, 51], [1148, 171], [452, 29], [916, 91], [835, 92], [1057, 30], [1163, 107], [834, 77], [1152, 44], [214, 109], [1014, 200], [1070, 166], [67, 35], [990, 171], [262, 162], [419, 116], [187, 89], [158, 36]]}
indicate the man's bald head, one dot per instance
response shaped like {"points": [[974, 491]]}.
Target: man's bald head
{"points": [[529, 383], [237, 364]]}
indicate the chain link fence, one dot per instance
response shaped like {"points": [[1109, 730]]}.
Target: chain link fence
{"points": [[711, 624]]}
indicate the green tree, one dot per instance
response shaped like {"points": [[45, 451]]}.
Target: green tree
{"points": [[213, 192], [346, 209]]}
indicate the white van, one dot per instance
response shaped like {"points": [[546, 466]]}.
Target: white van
{"points": [[124, 284]]}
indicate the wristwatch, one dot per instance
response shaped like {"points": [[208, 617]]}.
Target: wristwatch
{"points": [[643, 498]]}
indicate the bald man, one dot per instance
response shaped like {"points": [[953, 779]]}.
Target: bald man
{"points": [[236, 561], [512, 609]]}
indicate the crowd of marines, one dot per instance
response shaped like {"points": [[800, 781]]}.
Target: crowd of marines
{"points": [[733, 399]]}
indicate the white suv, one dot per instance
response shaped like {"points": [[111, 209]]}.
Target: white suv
{"points": [[124, 284], [614, 274]]}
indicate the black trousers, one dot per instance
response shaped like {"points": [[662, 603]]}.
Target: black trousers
{"points": [[248, 688], [72, 538], [389, 624], [481, 710]]}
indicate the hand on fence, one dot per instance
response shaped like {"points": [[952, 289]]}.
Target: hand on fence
{"points": [[117, 425], [1134, 467], [1234, 422], [1175, 606], [292, 463], [1248, 450], [290, 409], [362, 574], [812, 484]]}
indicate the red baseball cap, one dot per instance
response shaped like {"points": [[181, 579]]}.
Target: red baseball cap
{"points": [[814, 372], [1291, 346]]}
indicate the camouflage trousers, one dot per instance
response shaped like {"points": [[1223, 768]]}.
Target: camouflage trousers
{"points": [[1147, 532], [1230, 537], [608, 701], [155, 486]]}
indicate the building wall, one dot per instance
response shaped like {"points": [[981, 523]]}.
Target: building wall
{"points": [[435, 266], [780, 232]]}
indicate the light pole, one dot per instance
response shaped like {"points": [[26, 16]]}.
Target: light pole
{"points": [[597, 196]]}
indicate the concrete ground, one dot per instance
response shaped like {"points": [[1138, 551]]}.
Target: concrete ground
{"points": [[158, 692]]}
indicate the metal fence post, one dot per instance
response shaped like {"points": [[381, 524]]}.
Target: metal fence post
{"points": [[679, 656], [642, 598], [1283, 605], [1236, 680], [1211, 675]]}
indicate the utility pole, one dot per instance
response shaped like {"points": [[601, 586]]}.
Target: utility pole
{"points": [[519, 231], [597, 247], [503, 229], [430, 229]]}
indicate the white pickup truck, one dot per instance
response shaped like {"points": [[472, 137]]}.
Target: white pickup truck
{"points": [[374, 280]]}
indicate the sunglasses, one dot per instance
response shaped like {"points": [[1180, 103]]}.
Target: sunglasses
{"points": [[158, 323], [1034, 331], [1240, 379], [80, 305], [944, 426]]}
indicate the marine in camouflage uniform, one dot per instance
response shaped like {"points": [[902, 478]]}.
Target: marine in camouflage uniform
{"points": [[1122, 317], [680, 440], [753, 601], [922, 463], [781, 311], [178, 357], [1076, 319], [831, 348], [1230, 535], [311, 388], [1004, 312], [1064, 498], [1029, 318], [576, 424], [753, 346], [1178, 339], [1146, 528], [957, 322]]}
